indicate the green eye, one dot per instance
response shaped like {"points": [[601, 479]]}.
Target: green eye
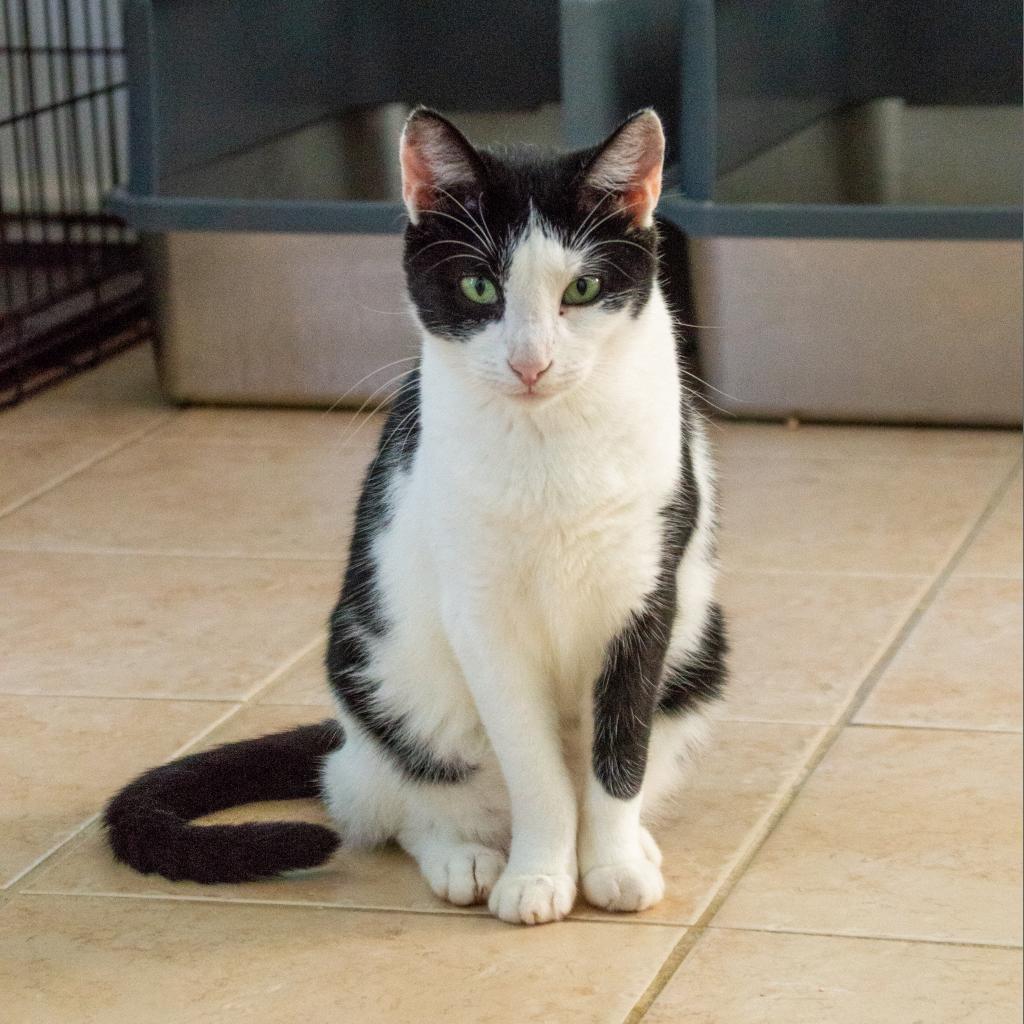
{"points": [[479, 289], [582, 291]]}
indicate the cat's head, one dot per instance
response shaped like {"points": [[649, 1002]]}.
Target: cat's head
{"points": [[526, 265]]}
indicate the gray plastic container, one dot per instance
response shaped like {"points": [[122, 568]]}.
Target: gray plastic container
{"points": [[264, 176], [848, 179]]}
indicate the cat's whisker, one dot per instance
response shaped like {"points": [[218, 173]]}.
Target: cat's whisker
{"points": [[701, 380], [483, 221], [459, 256], [370, 399], [368, 417], [697, 327], [475, 221], [625, 241], [597, 206], [385, 312], [613, 213], [365, 377], [605, 261], [449, 241], [458, 220], [700, 396]]}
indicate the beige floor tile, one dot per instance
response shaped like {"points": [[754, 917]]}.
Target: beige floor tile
{"points": [[759, 978], [118, 398], [28, 463], [731, 793], [61, 758], [264, 501], [900, 833], [997, 551], [777, 441], [384, 879], [962, 666], [145, 961], [853, 515], [801, 643], [744, 775], [134, 626], [298, 427], [304, 683]]}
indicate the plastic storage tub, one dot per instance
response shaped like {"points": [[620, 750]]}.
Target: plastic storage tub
{"points": [[264, 176], [848, 179]]}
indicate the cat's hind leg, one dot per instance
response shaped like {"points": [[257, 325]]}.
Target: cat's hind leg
{"points": [[457, 833], [457, 870]]}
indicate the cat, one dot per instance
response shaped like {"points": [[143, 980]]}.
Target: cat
{"points": [[527, 648]]}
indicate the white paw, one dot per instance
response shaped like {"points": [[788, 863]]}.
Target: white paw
{"points": [[532, 899], [650, 847], [629, 886], [465, 874]]}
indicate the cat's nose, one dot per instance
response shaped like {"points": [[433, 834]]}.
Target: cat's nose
{"points": [[529, 371]]}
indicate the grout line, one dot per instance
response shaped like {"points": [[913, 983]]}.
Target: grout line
{"points": [[16, 883], [686, 944], [730, 571], [916, 459], [320, 640], [1004, 576], [864, 937], [235, 707], [62, 695], [930, 595], [105, 552], [440, 911], [258, 687], [988, 730], [104, 453], [179, 698]]}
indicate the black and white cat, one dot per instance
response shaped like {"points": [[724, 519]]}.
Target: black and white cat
{"points": [[526, 644]]}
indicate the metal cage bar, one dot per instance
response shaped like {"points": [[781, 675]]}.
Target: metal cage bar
{"points": [[72, 285]]}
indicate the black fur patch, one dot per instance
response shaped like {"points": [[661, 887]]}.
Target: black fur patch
{"points": [[359, 610], [626, 693], [148, 822], [700, 678], [474, 230], [634, 683]]}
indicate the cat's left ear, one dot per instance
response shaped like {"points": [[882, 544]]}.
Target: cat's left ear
{"points": [[436, 158], [629, 164]]}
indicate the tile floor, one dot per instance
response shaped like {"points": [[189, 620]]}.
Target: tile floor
{"points": [[850, 851]]}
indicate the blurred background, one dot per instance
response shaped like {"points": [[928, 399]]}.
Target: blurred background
{"points": [[842, 210]]}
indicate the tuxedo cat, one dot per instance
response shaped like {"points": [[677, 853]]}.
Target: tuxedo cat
{"points": [[526, 646]]}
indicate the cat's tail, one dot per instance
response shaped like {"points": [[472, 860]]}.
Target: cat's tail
{"points": [[149, 823]]}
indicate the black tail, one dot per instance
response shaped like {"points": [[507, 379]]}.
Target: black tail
{"points": [[149, 821]]}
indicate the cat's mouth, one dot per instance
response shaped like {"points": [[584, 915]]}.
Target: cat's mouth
{"points": [[535, 395]]}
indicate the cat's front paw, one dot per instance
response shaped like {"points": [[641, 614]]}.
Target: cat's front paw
{"points": [[464, 874], [625, 887], [532, 899]]}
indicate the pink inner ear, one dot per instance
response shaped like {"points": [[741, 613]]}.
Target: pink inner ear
{"points": [[417, 178], [630, 164], [641, 196]]}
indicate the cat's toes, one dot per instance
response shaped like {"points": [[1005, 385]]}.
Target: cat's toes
{"points": [[465, 874], [650, 847], [626, 887], [532, 899]]}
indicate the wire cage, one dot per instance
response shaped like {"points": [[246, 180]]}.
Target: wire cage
{"points": [[72, 286]]}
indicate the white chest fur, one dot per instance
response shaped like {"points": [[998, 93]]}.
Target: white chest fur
{"points": [[550, 516]]}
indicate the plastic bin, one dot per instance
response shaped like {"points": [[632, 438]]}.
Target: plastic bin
{"points": [[264, 176], [848, 179]]}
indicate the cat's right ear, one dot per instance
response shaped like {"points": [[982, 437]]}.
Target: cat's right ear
{"points": [[436, 158]]}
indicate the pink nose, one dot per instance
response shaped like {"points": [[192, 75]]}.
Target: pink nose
{"points": [[529, 372]]}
